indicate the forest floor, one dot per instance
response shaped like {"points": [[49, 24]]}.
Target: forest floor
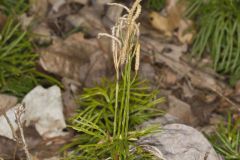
{"points": [[66, 40]]}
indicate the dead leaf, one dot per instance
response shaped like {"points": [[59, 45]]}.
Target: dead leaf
{"points": [[25, 21], [188, 90], [161, 23], [88, 20], [181, 110], [93, 19], [202, 110], [174, 22], [75, 58], [39, 8], [84, 2], [169, 77], [42, 34], [185, 31], [7, 102], [71, 88], [56, 4]]}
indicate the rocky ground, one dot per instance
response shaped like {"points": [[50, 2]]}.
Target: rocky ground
{"points": [[65, 34]]}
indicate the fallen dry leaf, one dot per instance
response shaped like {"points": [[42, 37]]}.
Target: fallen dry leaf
{"points": [[42, 34], [88, 20], [188, 90], [161, 23], [78, 1], [185, 32], [174, 22], [56, 4], [7, 102], [39, 8], [184, 112], [169, 77], [75, 58]]}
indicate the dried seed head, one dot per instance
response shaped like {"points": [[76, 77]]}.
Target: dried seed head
{"points": [[138, 12], [119, 5], [124, 36], [137, 61]]}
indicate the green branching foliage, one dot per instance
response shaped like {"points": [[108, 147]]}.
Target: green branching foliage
{"points": [[18, 74], [110, 112], [226, 141], [97, 115], [98, 102], [218, 23]]}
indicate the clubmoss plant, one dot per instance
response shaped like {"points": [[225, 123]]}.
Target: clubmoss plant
{"points": [[106, 124], [218, 33], [226, 141]]}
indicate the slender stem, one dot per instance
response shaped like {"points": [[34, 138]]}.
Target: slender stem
{"points": [[120, 120], [11, 126], [127, 97], [116, 109], [18, 113]]}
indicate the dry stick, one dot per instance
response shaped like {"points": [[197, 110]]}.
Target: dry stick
{"points": [[11, 126], [15, 137], [224, 97], [18, 113]]}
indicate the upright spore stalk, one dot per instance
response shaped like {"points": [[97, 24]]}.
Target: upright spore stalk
{"points": [[125, 47]]}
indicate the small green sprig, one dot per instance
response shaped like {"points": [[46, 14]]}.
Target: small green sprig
{"points": [[226, 140], [111, 111], [18, 74], [218, 24]]}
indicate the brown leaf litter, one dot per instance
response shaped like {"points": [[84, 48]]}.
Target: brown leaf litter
{"points": [[65, 33], [174, 22]]}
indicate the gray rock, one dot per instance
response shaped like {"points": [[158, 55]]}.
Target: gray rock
{"points": [[181, 142], [163, 120], [44, 109]]}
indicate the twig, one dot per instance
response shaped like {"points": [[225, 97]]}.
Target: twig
{"points": [[11, 126], [18, 113], [224, 97]]}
